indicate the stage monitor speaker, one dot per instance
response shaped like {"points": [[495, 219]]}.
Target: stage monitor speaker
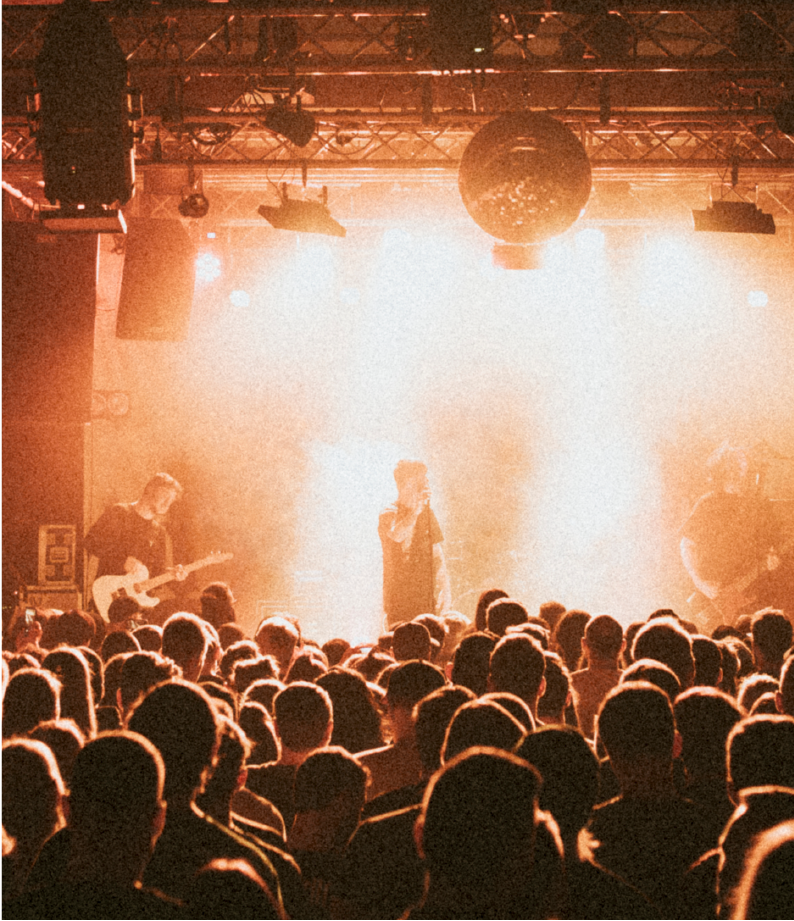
{"points": [[157, 283], [49, 303]]}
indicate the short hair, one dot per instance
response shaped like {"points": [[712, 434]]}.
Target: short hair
{"points": [[140, 672], [237, 652], [551, 612], [217, 604], [514, 706], [407, 470], [761, 752], [117, 787], [664, 640], [558, 685], [179, 720], [483, 603], [327, 774], [517, 665], [357, 725], [636, 721], [162, 481], [569, 770], [64, 739], [568, 637], [229, 634], [246, 671], [478, 723], [32, 696], [32, 790], [411, 641], [184, 638], [471, 662], [149, 637], [752, 687], [278, 635], [227, 888], [604, 636], [654, 672], [76, 628], [478, 810], [118, 642], [263, 691], [409, 682], [772, 634], [122, 609], [504, 613], [335, 650], [303, 713], [708, 661], [258, 727], [432, 716], [704, 717]]}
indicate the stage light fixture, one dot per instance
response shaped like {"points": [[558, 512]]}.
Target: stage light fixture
{"points": [[194, 205], [84, 111], [733, 217], [302, 216], [524, 178], [296, 126]]}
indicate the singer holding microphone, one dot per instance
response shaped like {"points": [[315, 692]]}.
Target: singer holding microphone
{"points": [[415, 578]]}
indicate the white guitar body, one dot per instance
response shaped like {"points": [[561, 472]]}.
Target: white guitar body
{"points": [[107, 588], [136, 583]]}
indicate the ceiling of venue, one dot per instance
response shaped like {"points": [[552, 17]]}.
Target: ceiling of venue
{"points": [[685, 90]]}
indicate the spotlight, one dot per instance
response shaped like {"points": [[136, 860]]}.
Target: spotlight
{"points": [[734, 217], [84, 136], [303, 216], [297, 126], [194, 205]]}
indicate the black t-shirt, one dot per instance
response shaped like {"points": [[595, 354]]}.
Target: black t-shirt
{"points": [[120, 532], [409, 574]]}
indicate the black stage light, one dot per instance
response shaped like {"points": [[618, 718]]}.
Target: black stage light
{"points": [[297, 126], [734, 217], [303, 216], [194, 205], [85, 135]]}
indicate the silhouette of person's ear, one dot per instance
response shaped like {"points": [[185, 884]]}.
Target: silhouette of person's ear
{"points": [[419, 834], [678, 744]]}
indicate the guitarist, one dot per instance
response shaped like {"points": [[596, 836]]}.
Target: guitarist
{"points": [[127, 536], [728, 542]]}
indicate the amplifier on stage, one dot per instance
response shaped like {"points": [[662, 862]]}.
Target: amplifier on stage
{"points": [[61, 598], [57, 545]]}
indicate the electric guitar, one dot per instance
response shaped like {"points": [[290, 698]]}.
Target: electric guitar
{"points": [[137, 583], [724, 606]]}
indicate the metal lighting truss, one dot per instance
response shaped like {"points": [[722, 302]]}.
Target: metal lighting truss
{"points": [[689, 92]]}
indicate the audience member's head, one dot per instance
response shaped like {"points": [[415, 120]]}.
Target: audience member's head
{"points": [[140, 672], [246, 671], [752, 687], [227, 773], [602, 640], [229, 634], [654, 672], [761, 753], [237, 652], [514, 706], [483, 602], [568, 637], [335, 650], [185, 642], [410, 682], [785, 696], [708, 661], [278, 636], [32, 696], [64, 739], [304, 718], [517, 666], [772, 636], [411, 641], [432, 716], [116, 807], [118, 642], [356, 721], [666, 641], [76, 628], [227, 888], [551, 612], [77, 696], [557, 695], [477, 832], [262, 692], [503, 613], [217, 604], [149, 637], [481, 723], [471, 662], [704, 717], [569, 770], [179, 720], [257, 724], [637, 728]]}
